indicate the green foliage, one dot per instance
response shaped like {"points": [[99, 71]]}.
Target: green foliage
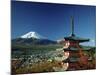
{"points": [[35, 47]]}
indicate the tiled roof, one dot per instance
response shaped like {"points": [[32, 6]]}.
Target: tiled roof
{"points": [[75, 38]]}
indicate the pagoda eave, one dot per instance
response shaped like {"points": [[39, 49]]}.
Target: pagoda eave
{"points": [[76, 39], [76, 49]]}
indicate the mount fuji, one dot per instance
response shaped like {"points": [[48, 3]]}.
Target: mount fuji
{"points": [[32, 35], [32, 38]]}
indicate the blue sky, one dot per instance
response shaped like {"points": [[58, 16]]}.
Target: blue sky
{"points": [[53, 20]]}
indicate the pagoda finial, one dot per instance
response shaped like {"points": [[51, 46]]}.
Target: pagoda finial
{"points": [[72, 26]]}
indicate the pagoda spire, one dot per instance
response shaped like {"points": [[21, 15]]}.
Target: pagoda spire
{"points": [[72, 26]]}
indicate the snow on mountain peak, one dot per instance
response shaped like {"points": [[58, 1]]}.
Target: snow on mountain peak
{"points": [[32, 35]]}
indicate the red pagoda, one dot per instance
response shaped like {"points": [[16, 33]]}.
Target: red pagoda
{"points": [[75, 57]]}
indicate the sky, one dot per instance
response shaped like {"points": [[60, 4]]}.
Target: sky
{"points": [[53, 20]]}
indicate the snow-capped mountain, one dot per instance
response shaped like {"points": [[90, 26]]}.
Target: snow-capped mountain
{"points": [[32, 38], [32, 35]]}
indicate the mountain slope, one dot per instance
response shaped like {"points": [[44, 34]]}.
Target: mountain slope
{"points": [[31, 41]]}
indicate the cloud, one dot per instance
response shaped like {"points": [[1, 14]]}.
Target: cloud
{"points": [[92, 40]]}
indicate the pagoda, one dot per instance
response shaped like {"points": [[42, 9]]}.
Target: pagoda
{"points": [[76, 59]]}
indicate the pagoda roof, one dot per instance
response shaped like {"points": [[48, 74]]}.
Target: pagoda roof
{"points": [[75, 48], [75, 38]]}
